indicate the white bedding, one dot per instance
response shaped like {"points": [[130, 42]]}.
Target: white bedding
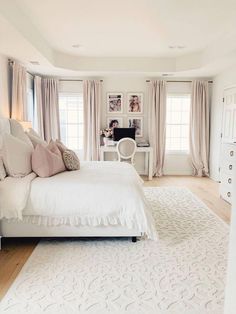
{"points": [[14, 194], [100, 193]]}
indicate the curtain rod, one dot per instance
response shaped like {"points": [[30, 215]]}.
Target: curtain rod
{"points": [[178, 81], [68, 80]]}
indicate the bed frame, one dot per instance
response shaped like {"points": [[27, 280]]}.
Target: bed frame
{"points": [[23, 229]]}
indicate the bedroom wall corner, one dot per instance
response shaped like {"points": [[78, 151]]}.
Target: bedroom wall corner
{"points": [[4, 87]]}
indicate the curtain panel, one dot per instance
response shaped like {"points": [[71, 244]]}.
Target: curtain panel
{"points": [[157, 123], [50, 109], [92, 91], [18, 109], [38, 106], [199, 128]]}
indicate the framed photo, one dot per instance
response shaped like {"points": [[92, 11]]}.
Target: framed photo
{"points": [[135, 103], [137, 123], [115, 102], [114, 122]]}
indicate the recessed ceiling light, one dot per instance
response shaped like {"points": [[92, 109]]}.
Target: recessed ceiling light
{"points": [[177, 47], [167, 74], [76, 46], [34, 62]]}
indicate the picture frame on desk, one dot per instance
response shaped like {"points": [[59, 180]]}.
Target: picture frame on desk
{"points": [[137, 123]]}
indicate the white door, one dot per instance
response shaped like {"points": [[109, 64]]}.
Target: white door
{"points": [[229, 116]]}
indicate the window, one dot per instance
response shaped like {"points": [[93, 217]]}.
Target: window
{"points": [[30, 105], [71, 120], [177, 122]]}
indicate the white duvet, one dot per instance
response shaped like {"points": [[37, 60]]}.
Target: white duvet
{"points": [[100, 193]]}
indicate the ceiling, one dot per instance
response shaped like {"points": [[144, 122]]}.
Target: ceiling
{"points": [[122, 36]]}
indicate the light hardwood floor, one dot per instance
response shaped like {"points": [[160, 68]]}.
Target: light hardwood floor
{"points": [[15, 252]]}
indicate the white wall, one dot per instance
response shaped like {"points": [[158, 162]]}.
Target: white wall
{"points": [[4, 86], [175, 164], [125, 85], [221, 81]]}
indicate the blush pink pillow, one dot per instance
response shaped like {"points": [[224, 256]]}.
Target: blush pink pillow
{"points": [[47, 161]]}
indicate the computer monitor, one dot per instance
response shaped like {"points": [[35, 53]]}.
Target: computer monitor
{"points": [[119, 133]]}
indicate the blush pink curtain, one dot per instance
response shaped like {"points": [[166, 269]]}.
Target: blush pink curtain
{"points": [[92, 91], [157, 123], [199, 128]]}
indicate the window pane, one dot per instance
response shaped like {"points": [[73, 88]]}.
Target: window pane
{"points": [[71, 120], [177, 122], [30, 105]]}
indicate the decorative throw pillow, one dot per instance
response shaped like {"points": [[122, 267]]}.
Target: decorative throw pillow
{"points": [[18, 131], [16, 156], [71, 160], [47, 161], [2, 170], [35, 140], [61, 146]]}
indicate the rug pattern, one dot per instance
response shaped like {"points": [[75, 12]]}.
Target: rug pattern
{"points": [[183, 272]]}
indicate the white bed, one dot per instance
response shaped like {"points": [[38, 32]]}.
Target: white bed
{"points": [[101, 199]]}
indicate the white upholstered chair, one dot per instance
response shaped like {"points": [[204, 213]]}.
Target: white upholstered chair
{"points": [[126, 148]]}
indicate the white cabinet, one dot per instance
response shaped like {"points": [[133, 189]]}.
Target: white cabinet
{"points": [[228, 146], [228, 164]]}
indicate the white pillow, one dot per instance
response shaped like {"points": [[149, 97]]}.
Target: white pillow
{"points": [[18, 131], [35, 140], [16, 156], [2, 170], [33, 132]]}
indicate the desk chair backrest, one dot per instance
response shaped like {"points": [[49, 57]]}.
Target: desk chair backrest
{"points": [[126, 148]]}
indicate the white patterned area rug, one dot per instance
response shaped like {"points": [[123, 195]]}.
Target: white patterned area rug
{"points": [[182, 273]]}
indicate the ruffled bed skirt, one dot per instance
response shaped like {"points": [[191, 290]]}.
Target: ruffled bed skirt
{"points": [[47, 221]]}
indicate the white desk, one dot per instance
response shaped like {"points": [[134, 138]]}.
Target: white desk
{"points": [[148, 151]]}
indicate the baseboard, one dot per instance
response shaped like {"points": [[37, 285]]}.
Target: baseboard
{"points": [[178, 173]]}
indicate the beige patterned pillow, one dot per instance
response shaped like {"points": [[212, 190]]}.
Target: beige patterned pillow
{"points": [[71, 160]]}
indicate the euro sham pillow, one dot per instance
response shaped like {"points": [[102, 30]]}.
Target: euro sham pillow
{"points": [[71, 160], [33, 132], [2, 170], [18, 131], [47, 161], [35, 140], [16, 155]]}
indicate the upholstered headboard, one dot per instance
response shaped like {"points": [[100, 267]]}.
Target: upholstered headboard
{"points": [[4, 128], [4, 125]]}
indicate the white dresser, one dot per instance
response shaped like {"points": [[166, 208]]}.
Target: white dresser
{"points": [[228, 146], [227, 167]]}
